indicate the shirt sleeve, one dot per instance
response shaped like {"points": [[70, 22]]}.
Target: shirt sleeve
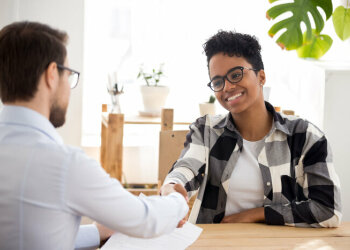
{"points": [[91, 192], [189, 169], [87, 238], [318, 192]]}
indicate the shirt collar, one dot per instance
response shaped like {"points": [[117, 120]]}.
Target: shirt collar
{"points": [[19, 115], [279, 121]]}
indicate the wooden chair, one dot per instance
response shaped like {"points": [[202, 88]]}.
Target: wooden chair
{"points": [[111, 153], [171, 143]]}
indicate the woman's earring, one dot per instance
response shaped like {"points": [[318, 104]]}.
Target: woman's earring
{"points": [[261, 84]]}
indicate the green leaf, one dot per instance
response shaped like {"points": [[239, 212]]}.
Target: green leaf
{"points": [[317, 47], [341, 22], [292, 38], [212, 99]]}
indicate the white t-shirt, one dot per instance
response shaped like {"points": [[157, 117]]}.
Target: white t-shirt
{"points": [[246, 189]]}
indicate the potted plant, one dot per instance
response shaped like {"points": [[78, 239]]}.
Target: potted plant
{"points": [[207, 108], [311, 43], [154, 95]]}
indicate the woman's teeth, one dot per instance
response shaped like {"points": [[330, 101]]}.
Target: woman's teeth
{"points": [[234, 97]]}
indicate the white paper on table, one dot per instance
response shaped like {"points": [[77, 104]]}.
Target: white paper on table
{"points": [[180, 238]]}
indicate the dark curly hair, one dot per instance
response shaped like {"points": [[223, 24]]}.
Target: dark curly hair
{"points": [[235, 44]]}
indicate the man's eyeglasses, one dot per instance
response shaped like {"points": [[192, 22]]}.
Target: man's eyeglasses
{"points": [[73, 77], [234, 76]]}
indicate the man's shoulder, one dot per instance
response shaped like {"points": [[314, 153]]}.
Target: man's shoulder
{"points": [[61, 149]]}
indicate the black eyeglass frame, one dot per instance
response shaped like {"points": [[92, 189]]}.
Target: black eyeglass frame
{"points": [[225, 77], [60, 66]]}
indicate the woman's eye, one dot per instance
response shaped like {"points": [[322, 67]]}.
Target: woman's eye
{"points": [[217, 83], [235, 75]]}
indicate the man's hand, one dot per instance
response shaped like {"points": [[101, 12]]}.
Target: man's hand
{"points": [[247, 216], [170, 188]]}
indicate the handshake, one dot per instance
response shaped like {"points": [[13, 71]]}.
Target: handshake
{"points": [[171, 188]]}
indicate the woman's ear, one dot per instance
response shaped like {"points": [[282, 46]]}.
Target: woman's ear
{"points": [[262, 77], [51, 75]]}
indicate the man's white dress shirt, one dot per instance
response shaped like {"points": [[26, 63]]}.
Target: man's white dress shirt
{"points": [[46, 186]]}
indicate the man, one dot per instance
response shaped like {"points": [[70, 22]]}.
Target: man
{"points": [[46, 186]]}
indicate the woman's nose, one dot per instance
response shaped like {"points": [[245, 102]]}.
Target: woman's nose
{"points": [[228, 85]]}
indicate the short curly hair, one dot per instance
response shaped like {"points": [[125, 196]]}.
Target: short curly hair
{"points": [[235, 44]]}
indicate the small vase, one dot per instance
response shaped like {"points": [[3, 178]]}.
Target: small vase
{"points": [[116, 104]]}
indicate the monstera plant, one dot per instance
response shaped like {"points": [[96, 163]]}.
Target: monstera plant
{"points": [[311, 43]]}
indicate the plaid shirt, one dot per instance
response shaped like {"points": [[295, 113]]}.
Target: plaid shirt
{"points": [[301, 187]]}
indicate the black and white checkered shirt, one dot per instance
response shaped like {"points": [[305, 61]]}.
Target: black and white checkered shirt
{"points": [[301, 187]]}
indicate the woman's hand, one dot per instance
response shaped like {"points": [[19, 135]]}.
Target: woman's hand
{"points": [[170, 188], [247, 216]]}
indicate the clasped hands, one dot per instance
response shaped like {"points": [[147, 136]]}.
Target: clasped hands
{"points": [[170, 188]]}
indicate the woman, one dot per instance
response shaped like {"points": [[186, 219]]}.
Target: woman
{"points": [[254, 164]]}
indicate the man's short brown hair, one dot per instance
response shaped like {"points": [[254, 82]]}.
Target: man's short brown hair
{"points": [[26, 50]]}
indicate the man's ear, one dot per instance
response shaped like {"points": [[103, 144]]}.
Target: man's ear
{"points": [[51, 76], [262, 77]]}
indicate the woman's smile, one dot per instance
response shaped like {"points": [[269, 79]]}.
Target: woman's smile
{"points": [[234, 99]]}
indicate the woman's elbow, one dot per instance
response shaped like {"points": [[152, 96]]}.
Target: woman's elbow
{"points": [[334, 221]]}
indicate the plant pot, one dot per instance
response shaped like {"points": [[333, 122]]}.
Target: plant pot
{"points": [[154, 98], [206, 108]]}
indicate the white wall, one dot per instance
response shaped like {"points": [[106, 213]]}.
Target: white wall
{"points": [[65, 15], [337, 128]]}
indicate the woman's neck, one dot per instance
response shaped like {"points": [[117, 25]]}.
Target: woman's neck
{"points": [[255, 123]]}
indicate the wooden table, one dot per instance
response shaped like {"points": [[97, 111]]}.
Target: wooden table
{"points": [[262, 236]]}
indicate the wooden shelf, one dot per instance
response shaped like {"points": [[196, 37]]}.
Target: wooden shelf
{"points": [[135, 119]]}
